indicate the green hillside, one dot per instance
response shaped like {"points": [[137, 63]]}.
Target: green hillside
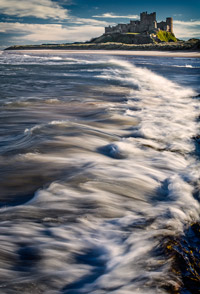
{"points": [[166, 36]]}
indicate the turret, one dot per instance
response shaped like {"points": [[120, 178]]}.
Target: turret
{"points": [[153, 16], [169, 21]]}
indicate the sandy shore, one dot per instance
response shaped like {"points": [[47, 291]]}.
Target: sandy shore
{"points": [[186, 54]]}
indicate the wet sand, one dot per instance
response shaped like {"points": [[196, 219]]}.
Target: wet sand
{"points": [[186, 54]]}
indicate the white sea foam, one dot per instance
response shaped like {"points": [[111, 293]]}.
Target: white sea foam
{"points": [[160, 101], [56, 58], [40, 126], [120, 181], [30, 130], [96, 234], [186, 66]]}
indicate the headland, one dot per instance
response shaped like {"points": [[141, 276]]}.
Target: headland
{"points": [[191, 45], [146, 34]]}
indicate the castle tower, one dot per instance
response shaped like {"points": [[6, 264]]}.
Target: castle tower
{"points": [[169, 21], [145, 17], [153, 16]]}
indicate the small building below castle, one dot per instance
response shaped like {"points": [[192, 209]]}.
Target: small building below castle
{"points": [[147, 24]]}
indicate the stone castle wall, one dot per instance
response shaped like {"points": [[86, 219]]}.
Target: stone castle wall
{"points": [[146, 24]]}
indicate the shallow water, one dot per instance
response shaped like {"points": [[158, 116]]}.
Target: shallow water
{"points": [[99, 172]]}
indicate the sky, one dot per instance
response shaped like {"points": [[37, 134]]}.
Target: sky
{"points": [[65, 21]]}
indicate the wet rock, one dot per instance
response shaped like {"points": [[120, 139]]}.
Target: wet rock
{"points": [[185, 252], [113, 151]]}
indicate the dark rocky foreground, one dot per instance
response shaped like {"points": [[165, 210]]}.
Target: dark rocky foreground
{"points": [[185, 256], [192, 44]]}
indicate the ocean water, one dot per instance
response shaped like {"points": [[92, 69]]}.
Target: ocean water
{"points": [[100, 172]]}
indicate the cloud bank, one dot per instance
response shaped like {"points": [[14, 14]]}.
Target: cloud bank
{"points": [[187, 29], [43, 9], [49, 32]]}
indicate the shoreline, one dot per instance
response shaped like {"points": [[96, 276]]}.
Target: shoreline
{"points": [[153, 53], [175, 47]]}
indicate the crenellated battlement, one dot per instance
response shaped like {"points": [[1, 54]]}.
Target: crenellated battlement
{"points": [[147, 24]]}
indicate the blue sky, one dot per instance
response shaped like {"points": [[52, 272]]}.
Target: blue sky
{"points": [[63, 21]]}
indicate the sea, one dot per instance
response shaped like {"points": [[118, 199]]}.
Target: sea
{"points": [[99, 173]]}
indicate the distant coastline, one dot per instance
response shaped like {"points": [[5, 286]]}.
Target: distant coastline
{"points": [[190, 45]]}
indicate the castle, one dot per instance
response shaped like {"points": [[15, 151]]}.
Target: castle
{"points": [[146, 24]]}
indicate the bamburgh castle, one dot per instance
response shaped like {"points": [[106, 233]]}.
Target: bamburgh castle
{"points": [[146, 24]]}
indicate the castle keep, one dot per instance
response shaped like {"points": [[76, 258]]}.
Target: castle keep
{"points": [[146, 24]]}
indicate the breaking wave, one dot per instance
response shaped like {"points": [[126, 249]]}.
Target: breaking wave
{"points": [[100, 184]]}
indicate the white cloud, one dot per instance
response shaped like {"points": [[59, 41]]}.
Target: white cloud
{"points": [[112, 15], [37, 8], [89, 21], [187, 29], [49, 32], [191, 23]]}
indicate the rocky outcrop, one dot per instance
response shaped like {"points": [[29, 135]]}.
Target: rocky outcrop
{"points": [[176, 46], [129, 38], [170, 46]]}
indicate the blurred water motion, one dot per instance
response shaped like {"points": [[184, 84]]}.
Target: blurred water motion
{"points": [[99, 174]]}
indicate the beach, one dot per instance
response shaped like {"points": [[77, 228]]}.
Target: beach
{"points": [[189, 54]]}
